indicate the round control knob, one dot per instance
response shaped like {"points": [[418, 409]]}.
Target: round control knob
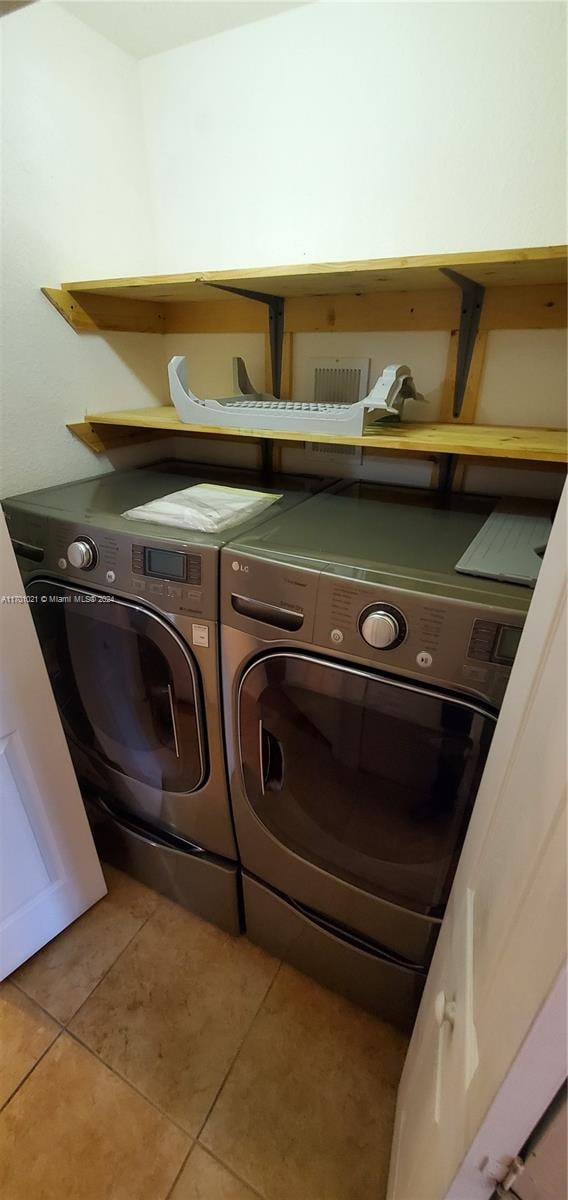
{"points": [[380, 629], [81, 554]]}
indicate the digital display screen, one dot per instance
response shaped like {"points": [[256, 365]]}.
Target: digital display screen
{"points": [[166, 564], [507, 644]]}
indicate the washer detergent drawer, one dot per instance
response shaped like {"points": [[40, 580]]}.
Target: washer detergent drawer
{"points": [[126, 686], [367, 778], [388, 989]]}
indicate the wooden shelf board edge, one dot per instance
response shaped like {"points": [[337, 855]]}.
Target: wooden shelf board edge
{"points": [[91, 313], [102, 436], [526, 259], [540, 306], [491, 268], [483, 441], [532, 266]]}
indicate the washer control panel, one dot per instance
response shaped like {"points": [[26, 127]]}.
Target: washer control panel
{"points": [[382, 626], [457, 644], [492, 642], [176, 566], [453, 643], [173, 577], [82, 554]]}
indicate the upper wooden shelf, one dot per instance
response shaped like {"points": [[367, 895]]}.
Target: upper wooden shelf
{"points": [[491, 268], [525, 289]]}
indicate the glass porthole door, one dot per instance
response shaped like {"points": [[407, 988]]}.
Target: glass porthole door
{"points": [[125, 684], [367, 777]]}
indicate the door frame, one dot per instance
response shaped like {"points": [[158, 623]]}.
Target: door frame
{"points": [[540, 1066], [48, 844], [535, 1076], [524, 1034]]}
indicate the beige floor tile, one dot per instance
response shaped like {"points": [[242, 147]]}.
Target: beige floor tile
{"points": [[64, 973], [75, 1130], [203, 1178], [307, 1110], [173, 1011], [25, 1034]]}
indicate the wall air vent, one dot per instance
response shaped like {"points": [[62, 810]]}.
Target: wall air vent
{"points": [[340, 380]]}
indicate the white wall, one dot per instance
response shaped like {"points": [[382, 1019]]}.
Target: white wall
{"points": [[333, 131], [75, 205], [346, 130]]}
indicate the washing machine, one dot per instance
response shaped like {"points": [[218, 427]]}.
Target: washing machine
{"points": [[127, 618], [362, 679]]}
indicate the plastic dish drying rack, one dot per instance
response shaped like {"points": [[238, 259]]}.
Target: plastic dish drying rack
{"points": [[249, 409]]}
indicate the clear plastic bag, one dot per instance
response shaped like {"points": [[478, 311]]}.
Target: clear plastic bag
{"points": [[207, 507]]}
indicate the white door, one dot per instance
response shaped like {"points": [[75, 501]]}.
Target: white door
{"points": [[49, 870], [502, 946]]}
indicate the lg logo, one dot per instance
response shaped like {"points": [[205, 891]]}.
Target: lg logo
{"points": [[240, 567]]}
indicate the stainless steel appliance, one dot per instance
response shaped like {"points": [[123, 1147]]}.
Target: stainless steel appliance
{"points": [[127, 617], [362, 679]]}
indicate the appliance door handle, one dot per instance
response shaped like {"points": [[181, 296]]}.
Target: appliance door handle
{"points": [[261, 755], [162, 702], [25, 550], [270, 614], [173, 717], [271, 760]]}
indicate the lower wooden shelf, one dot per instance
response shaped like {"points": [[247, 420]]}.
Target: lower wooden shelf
{"points": [[103, 431]]}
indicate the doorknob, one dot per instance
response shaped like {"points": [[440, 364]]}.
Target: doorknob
{"points": [[445, 1010]]}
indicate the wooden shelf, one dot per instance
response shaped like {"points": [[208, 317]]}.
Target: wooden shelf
{"points": [[525, 287], [504, 268], [103, 430]]}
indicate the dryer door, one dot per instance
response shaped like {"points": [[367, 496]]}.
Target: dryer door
{"points": [[125, 684], [367, 777]]}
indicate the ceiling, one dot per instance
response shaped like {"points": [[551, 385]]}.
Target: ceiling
{"points": [[145, 27], [8, 6]]}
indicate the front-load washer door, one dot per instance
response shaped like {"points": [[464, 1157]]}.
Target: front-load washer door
{"points": [[364, 776], [127, 691]]}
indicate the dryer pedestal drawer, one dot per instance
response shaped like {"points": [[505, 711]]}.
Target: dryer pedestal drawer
{"points": [[198, 881], [389, 990]]}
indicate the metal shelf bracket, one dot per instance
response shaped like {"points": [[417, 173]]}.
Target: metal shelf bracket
{"points": [[275, 327], [472, 303], [276, 337], [446, 471]]}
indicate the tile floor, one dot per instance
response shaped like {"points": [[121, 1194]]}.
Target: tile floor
{"points": [[145, 1055]]}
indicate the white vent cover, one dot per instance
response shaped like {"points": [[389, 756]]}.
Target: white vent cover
{"points": [[340, 380]]}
